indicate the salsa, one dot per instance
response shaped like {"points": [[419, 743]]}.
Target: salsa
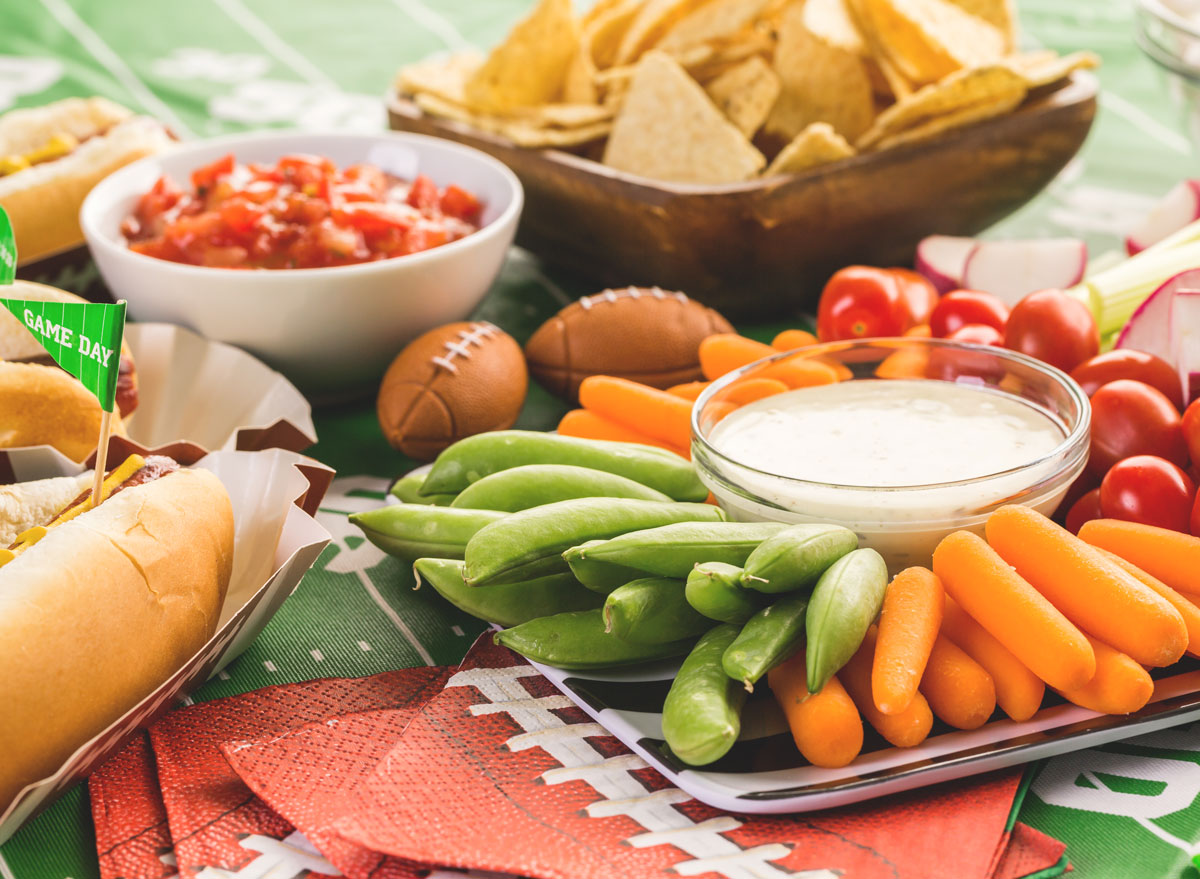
{"points": [[302, 213]]}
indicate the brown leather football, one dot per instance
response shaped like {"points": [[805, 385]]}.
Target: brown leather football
{"points": [[640, 333], [450, 383]]}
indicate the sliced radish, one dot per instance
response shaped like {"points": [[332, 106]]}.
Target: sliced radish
{"points": [[1167, 325], [942, 259], [1185, 340], [1010, 270], [1175, 210]]}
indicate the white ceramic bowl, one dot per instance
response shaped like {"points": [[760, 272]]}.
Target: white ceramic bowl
{"points": [[330, 330]]}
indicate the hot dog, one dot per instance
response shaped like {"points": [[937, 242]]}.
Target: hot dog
{"points": [[100, 605], [51, 157]]}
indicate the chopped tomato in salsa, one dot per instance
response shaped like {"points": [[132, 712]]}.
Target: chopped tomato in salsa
{"points": [[303, 213]]}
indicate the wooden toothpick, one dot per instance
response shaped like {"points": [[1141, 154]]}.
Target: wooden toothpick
{"points": [[101, 457]]}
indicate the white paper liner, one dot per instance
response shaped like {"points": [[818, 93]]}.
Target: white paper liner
{"points": [[275, 543]]}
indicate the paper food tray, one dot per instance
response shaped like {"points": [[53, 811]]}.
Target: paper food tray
{"points": [[275, 495]]}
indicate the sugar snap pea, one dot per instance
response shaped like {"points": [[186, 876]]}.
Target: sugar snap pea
{"points": [[532, 485], [598, 576], [577, 640], [715, 590], [405, 489], [673, 550], [795, 557], [507, 605], [701, 717], [530, 543], [486, 453], [769, 637], [413, 531], [844, 603], [652, 610]]}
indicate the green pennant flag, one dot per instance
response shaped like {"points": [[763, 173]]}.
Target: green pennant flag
{"points": [[8, 250], [84, 338]]}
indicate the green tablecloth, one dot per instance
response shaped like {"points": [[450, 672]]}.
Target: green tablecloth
{"points": [[211, 66]]}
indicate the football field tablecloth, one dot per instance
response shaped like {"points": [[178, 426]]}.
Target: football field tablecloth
{"points": [[212, 66]]}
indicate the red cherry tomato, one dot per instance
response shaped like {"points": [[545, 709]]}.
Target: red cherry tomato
{"points": [[1054, 328], [1127, 363], [1132, 418], [1191, 431], [1084, 510], [1084, 483], [1195, 520], [919, 293], [961, 307], [860, 302], [1150, 490], [980, 334]]}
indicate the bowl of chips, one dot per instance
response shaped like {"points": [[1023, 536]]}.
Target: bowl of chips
{"points": [[742, 150]]}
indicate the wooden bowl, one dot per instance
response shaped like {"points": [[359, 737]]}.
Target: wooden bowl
{"points": [[764, 248]]}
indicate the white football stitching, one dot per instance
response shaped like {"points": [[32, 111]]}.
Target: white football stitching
{"points": [[628, 293], [476, 336]]}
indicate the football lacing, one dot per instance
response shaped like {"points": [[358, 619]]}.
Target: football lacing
{"points": [[611, 295], [462, 346]]}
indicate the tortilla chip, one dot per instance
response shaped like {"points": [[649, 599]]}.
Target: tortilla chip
{"points": [[1039, 69], [604, 35], [746, 93], [579, 84], [599, 9], [958, 119], [929, 39], [816, 145], [821, 83], [832, 22], [965, 88], [1000, 14], [715, 20], [668, 129], [444, 76], [530, 66], [525, 132], [653, 20]]}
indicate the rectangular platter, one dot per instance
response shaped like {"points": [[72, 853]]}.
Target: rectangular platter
{"points": [[765, 774]]}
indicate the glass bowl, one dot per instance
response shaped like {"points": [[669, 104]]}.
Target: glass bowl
{"points": [[903, 522], [1168, 31]]}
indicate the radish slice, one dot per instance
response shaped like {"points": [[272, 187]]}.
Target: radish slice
{"points": [[1167, 325], [1175, 210], [1011, 270], [1185, 341], [942, 259]]}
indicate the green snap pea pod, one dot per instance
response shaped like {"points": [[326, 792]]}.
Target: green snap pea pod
{"points": [[768, 638], [405, 490], [530, 543], [486, 453], [652, 610], [533, 485], [413, 531], [577, 641], [598, 576], [673, 550], [715, 590], [795, 557], [701, 716], [507, 605], [845, 602]]}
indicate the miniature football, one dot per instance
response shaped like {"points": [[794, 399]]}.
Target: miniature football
{"points": [[452, 382], [644, 334]]}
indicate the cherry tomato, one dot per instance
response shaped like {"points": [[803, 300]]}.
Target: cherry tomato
{"points": [[1127, 363], [1191, 431], [1054, 328], [1150, 490], [1084, 483], [979, 334], [1195, 520], [919, 293], [1084, 510], [1132, 418], [961, 307], [859, 302]]}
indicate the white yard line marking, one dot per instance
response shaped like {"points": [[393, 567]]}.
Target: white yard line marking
{"points": [[111, 62], [434, 22], [317, 655], [222, 675], [364, 646], [1188, 848], [271, 41], [1142, 120], [5, 869], [390, 613], [457, 630], [269, 666]]}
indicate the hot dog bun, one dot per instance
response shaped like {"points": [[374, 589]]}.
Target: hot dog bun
{"points": [[42, 405], [103, 610], [26, 504], [43, 201]]}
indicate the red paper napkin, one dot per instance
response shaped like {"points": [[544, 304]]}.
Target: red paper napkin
{"points": [[132, 838]]}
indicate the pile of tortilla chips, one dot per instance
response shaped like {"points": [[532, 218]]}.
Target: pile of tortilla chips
{"points": [[720, 91]]}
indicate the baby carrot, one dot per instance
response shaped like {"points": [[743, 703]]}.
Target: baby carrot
{"points": [[919, 331], [689, 390], [959, 689], [904, 730], [1120, 685], [1092, 592], [789, 340], [826, 725], [800, 372], [904, 363], [1170, 556], [725, 352], [1187, 610], [1014, 612], [716, 410], [1019, 692], [908, 626], [750, 389], [648, 410], [589, 425]]}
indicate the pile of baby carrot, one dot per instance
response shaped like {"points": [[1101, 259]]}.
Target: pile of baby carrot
{"points": [[998, 620]]}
